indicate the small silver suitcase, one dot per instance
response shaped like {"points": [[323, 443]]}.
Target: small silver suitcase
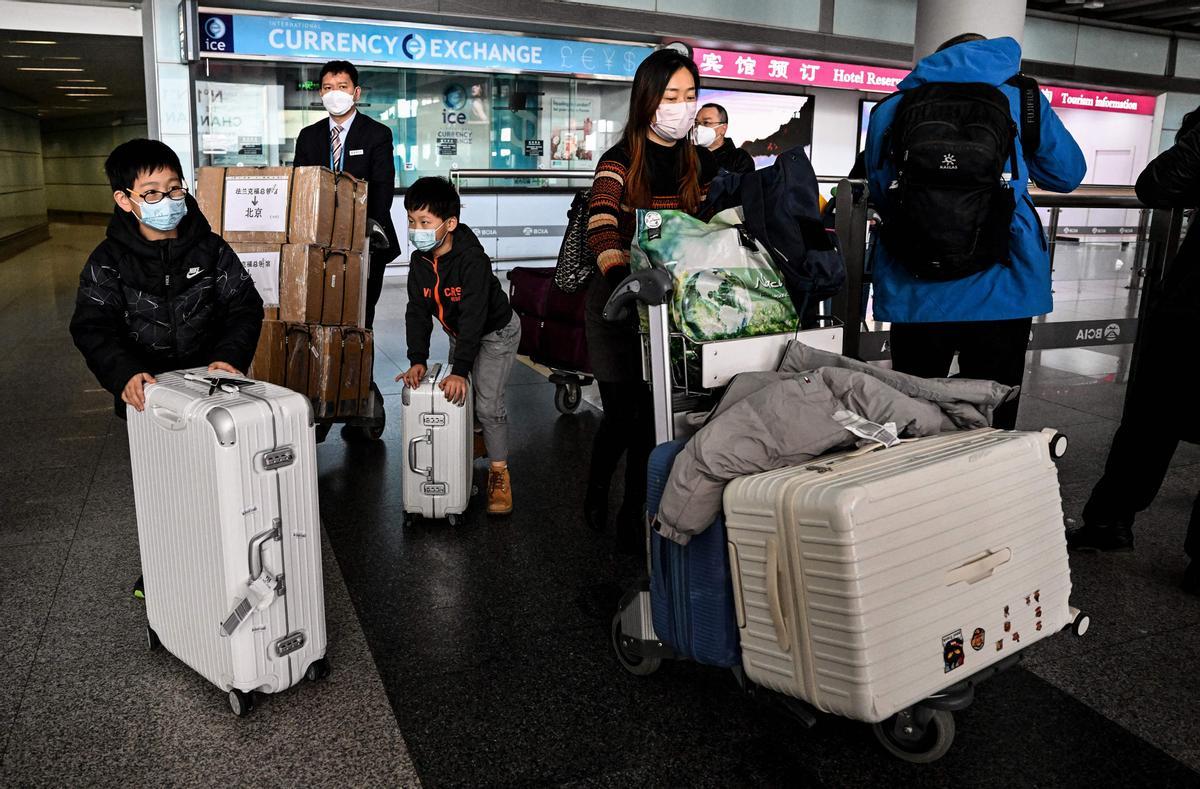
{"points": [[225, 483], [439, 444]]}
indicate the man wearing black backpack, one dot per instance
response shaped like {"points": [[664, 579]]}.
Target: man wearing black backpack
{"points": [[963, 264]]}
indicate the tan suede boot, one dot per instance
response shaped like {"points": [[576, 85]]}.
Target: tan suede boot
{"points": [[500, 500]]}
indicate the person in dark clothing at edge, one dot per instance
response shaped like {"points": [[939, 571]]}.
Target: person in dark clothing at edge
{"points": [[450, 278], [162, 291], [1162, 392], [984, 317], [712, 124], [653, 166]]}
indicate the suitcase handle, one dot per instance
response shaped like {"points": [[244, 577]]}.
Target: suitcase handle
{"points": [[412, 454], [166, 417], [774, 601], [979, 569], [257, 542]]}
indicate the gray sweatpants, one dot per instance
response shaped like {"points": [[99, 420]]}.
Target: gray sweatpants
{"points": [[489, 378]]}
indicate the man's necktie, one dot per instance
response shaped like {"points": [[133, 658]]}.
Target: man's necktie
{"points": [[335, 145]]}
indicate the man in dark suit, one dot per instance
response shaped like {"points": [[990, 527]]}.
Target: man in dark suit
{"points": [[361, 146]]}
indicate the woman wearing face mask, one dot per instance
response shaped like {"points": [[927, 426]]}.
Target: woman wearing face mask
{"points": [[655, 165]]}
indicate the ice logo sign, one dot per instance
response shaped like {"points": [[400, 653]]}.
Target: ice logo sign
{"points": [[413, 46], [215, 27]]}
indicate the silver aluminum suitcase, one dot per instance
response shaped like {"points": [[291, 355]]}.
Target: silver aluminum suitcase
{"points": [[225, 482], [866, 583], [439, 449]]}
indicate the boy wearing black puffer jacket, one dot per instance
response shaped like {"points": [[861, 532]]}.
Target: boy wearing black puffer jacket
{"points": [[162, 291], [450, 278]]}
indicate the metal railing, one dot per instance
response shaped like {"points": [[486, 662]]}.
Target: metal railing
{"points": [[1159, 234]]}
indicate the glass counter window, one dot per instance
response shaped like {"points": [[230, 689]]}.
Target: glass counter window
{"points": [[250, 114]]}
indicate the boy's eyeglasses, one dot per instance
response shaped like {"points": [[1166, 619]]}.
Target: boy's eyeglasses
{"points": [[710, 124], [154, 196]]}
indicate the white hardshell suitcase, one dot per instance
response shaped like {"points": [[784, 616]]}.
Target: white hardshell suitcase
{"points": [[439, 449], [225, 484], [866, 583]]}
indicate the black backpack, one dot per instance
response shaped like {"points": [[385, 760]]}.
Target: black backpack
{"points": [[781, 210], [951, 208]]}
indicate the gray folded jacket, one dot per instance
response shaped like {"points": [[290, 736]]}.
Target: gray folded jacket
{"points": [[767, 421]]}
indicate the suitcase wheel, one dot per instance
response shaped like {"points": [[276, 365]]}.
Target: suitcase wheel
{"points": [[918, 735], [632, 662], [152, 641], [453, 520], [567, 397], [317, 670], [1080, 624], [241, 703]]}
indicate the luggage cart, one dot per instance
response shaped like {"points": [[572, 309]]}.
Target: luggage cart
{"points": [[368, 426], [920, 734], [552, 332]]}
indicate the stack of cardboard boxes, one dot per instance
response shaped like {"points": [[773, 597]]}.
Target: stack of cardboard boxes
{"points": [[301, 232]]}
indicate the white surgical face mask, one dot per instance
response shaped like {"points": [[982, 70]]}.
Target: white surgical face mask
{"points": [[674, 121], [704, 136], [337, 102], [424, 238]]}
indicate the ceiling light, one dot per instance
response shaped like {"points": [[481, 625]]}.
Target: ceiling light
{"points": [[36, 68], [16, 57], [1094, 4], [81, 87], [86, 95], [79, 80], [32, 41], [61, 57], [1075, 2]]}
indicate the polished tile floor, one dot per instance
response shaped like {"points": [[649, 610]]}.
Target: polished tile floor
{"points": [[479, 656]]}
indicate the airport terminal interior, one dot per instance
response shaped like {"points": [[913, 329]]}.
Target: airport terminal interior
{"points": [[481, 653]]}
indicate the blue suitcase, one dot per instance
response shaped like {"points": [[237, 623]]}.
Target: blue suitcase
{"points": [[691, 592]]}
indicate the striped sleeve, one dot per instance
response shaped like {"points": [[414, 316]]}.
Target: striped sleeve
{"points": [[604, 212]]}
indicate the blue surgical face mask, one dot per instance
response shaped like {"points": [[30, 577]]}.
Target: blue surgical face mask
{"points": [[424, 238], [165, 215]]}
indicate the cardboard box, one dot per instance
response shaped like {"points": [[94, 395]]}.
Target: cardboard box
{"points": [[368, 371], [303, 360], [270, 357], [262, 263], [354, 346], [210, 191], [301, 284], [328, 393], [335, 288], [350, 214], [320, 286], [354, 301], [269, 205], [314, 200]]}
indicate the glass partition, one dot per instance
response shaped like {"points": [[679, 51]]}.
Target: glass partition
{"points": [[249, 113]]}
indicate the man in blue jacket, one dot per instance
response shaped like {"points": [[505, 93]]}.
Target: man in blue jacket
{"points": [[985, 316]]}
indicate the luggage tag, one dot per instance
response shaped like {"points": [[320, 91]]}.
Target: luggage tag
{"points": [[260, 593], [867, 430]]}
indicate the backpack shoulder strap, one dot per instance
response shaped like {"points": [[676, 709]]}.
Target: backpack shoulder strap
{"points": [[1031, 112]]}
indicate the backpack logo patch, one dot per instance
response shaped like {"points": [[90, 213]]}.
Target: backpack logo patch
{"points": [[948, 162]]}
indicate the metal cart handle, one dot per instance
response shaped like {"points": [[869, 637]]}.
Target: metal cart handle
{"points": [[651, 287]]}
